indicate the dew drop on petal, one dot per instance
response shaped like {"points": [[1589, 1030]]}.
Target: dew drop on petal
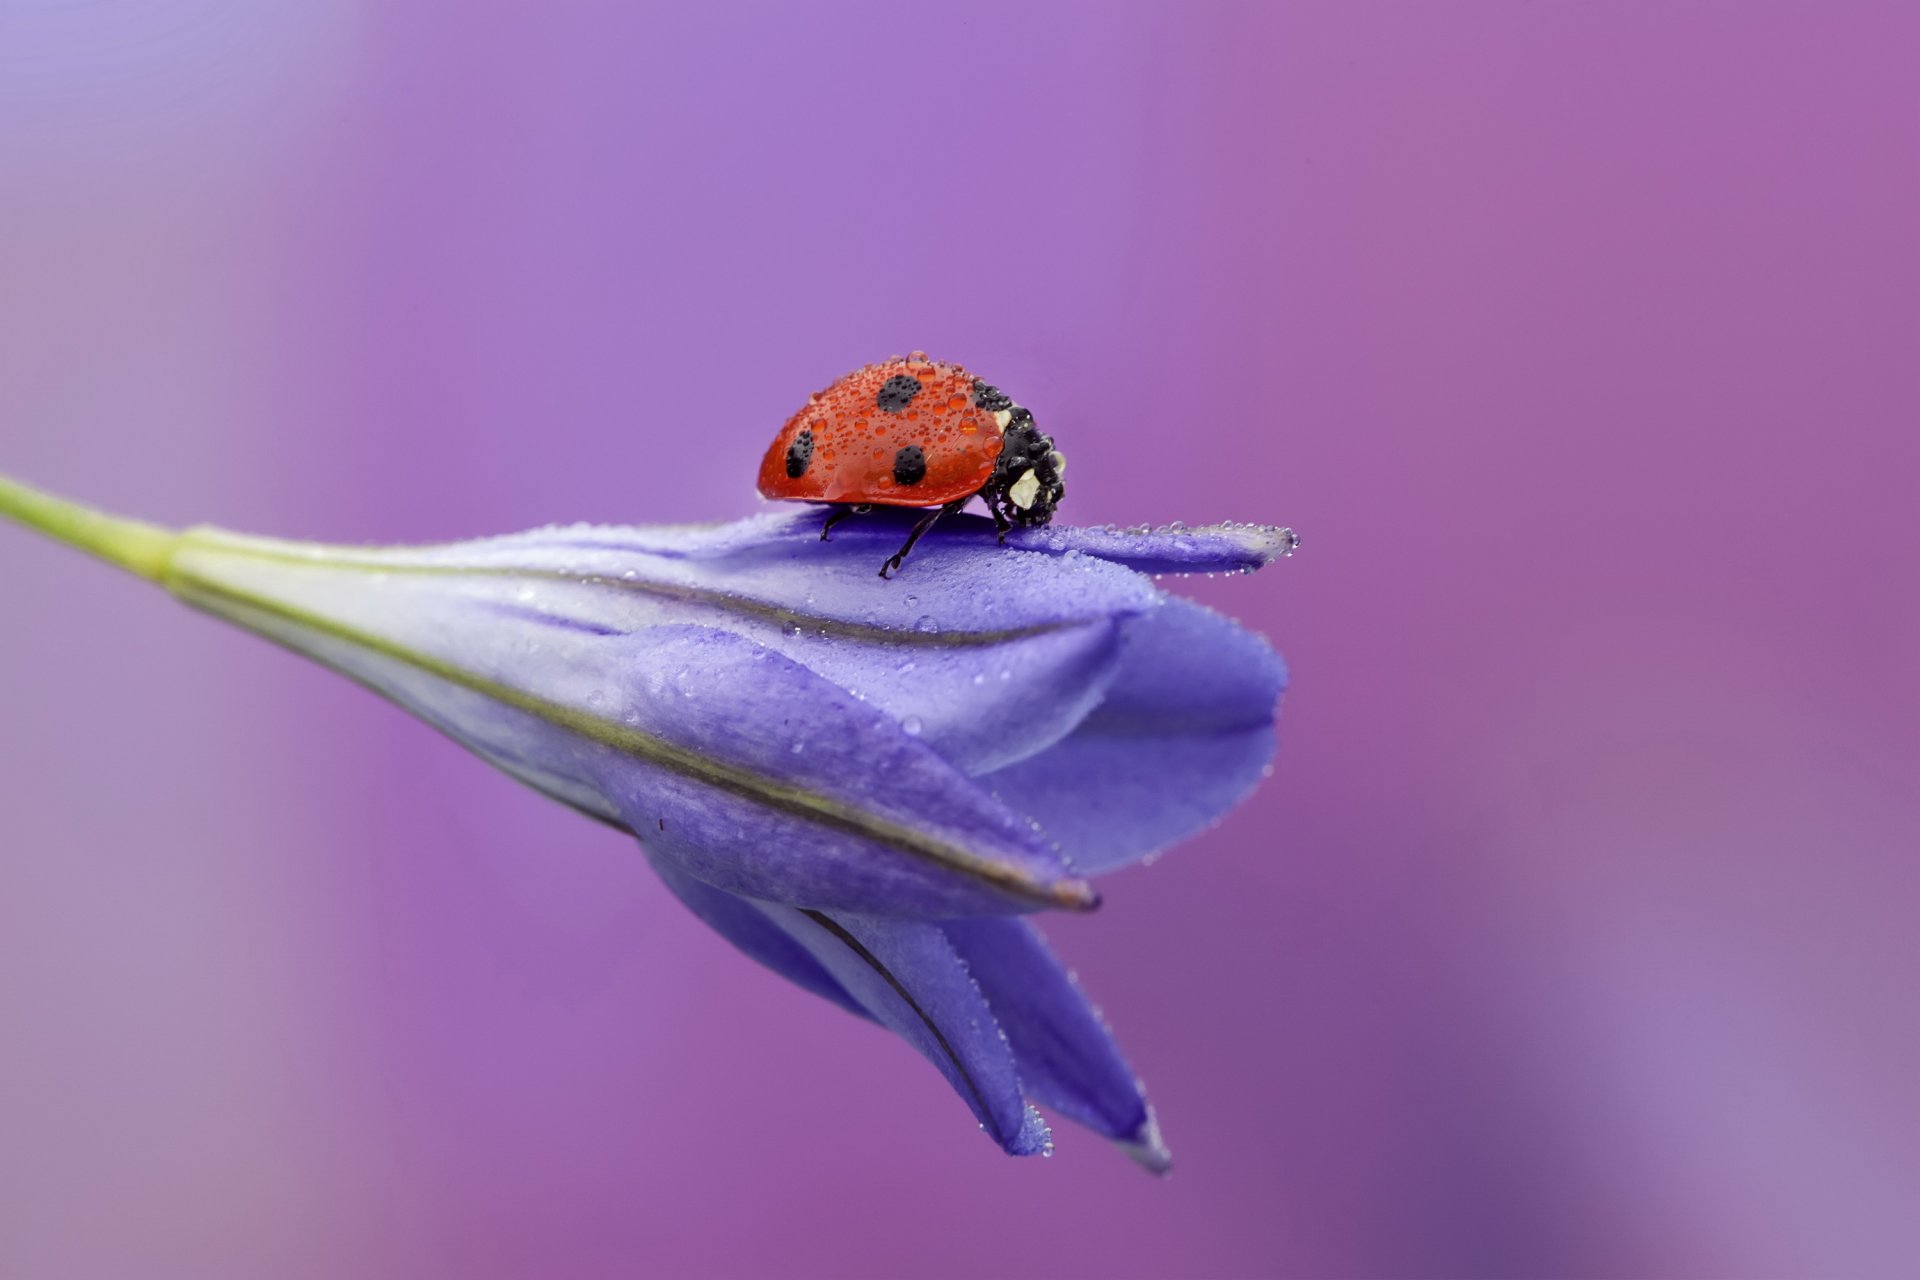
{"points": [[926, 623], [912, 725], [905, 667]]}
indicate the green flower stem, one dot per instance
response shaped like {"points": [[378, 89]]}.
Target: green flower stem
{"points": [[136, 546]]}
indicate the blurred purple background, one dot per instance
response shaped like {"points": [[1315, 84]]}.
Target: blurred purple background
{"points": [[1575, 934]]}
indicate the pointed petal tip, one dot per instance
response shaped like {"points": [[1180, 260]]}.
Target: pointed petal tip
{"points": [[1067, 893], [1147, 1149], [1228, 547], [1262, 544], [1035, 1137], [1277, 542], [1074, 895]]}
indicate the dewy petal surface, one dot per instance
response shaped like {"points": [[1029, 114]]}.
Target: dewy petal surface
{"points": [[990, 656], [910, 979], [1067, 1058], [1229, 547], [746, 769], [887, 825], [1212, 548], [1063, 1054], [1186, 730]]}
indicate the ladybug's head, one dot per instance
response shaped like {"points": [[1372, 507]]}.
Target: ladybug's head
{"points": [[1026, 484]]}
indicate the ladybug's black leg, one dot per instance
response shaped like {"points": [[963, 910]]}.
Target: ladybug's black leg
{"points": [[999, 522], [925, 523], [841, 513]]}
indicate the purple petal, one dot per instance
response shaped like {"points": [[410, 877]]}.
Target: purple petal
{"points": [[745, 769], [1185, 732], [794, 791], [748, 928], [909, 978], [991, 655], [1066, 1056], [1175, 548], [1227, 547]]}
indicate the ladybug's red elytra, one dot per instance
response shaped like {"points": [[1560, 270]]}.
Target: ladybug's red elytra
{"points": [[915, 432]]}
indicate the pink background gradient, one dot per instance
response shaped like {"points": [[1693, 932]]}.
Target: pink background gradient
{"points": [[1575, 934]]}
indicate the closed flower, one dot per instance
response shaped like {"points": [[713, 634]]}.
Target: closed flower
{"points": [[865, 785]]}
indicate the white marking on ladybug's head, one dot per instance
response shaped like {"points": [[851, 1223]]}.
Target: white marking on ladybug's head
{"points": [[1059, 462], [1024, 490], [1001, 418]]}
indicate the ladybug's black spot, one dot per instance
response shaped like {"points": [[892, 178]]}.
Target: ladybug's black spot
{"points": [[910, 465], [799, 455], [989, 397], [898, 392]]}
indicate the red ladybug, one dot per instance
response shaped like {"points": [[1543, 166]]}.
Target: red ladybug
{"points": [[915, 432]]}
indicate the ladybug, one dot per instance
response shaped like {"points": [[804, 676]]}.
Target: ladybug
{"points": [[915, 432]]}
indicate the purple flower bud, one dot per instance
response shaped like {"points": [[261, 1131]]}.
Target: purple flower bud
{"points": [[856, 781]]}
